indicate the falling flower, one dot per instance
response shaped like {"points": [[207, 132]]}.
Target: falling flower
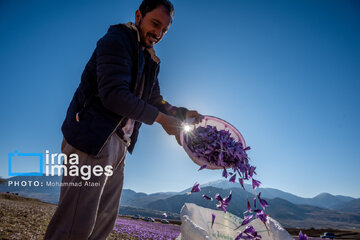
{"points": [[202, 167], [255, 184], [206, 197], [195, 188], [252, 171], [263, 203], [233, 178], [225, 173], [246, 220], [248, 206], [262, 216], [223, 203], [212, 219], [241, 181]]}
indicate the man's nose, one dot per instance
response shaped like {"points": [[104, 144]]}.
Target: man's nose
{"points": [[158, 33]]}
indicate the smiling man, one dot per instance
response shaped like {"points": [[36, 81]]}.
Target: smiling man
{"points": [[119, 90]]}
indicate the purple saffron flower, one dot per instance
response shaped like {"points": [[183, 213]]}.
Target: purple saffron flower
{"points": [[248, 233], [246, 220], [262, 216], [252, 171], [263, 203], [212, 219], [241, 181], [302, 236], [248, 206], [239, 236], [218, 197], [250, 230], [233, 178], [196, 188], [255, 183], [223, 203], [225, 173], [228, 198], [202, 167], [206, 197]]}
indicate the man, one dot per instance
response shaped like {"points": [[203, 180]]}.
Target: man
{"points": [[119, 91]]}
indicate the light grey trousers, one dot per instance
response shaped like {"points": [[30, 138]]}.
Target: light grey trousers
{"points": [[89, 212]]}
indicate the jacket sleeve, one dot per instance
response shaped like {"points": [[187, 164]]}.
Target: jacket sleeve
{"points": [[113, 68], [165, 107]]}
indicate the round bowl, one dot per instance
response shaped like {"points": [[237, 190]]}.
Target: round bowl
{"points": [[220, 125]]}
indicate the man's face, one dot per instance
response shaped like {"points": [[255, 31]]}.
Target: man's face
{"points": [[153, 26]]}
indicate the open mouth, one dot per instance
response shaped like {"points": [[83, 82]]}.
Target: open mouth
{"points": [[153, 39]]}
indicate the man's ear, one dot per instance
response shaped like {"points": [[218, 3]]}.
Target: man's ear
{"points": [[138, 16]]}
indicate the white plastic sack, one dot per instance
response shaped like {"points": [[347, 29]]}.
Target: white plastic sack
{"points": [[196, 225]]}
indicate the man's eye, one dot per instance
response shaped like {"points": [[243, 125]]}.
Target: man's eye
{"points": [[155, 24]]}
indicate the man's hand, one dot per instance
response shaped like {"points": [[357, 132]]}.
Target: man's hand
{"points": [[192, 114], [170, 124]]}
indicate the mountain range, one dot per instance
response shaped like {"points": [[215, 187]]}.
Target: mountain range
{"points": [[321, 211]]}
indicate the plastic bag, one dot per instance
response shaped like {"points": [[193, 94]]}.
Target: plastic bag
{"points": [[196, 225]]}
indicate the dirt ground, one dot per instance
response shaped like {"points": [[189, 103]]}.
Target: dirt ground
{"points": [[27, 219]]}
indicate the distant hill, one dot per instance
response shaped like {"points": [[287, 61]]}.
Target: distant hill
{"points": [[324, 200], [353, 206], [132, 198]]}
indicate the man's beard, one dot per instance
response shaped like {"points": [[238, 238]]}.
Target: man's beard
{"points": [[143, 36]]}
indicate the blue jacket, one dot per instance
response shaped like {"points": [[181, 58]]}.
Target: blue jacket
{"points": [[106, 95]]}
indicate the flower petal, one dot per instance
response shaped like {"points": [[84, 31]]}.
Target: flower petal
{"points": [[241, 181], [247, 220], [262, 216], [263, 202], [196, 188], [212, 219], [224, 174], [206, 197], [233, 178], [202, 167], [255, 183]]}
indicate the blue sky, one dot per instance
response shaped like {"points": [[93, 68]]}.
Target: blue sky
{"points": [[285, 73]]}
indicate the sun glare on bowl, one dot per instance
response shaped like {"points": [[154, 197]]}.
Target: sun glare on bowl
{"points": [[187, 128]]}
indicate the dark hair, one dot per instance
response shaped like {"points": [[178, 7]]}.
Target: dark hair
{"points": [[149, 5]]}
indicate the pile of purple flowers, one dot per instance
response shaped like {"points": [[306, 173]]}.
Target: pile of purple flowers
{"points": [[220, 149], [147, 230]]}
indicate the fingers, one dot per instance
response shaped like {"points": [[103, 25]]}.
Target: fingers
{"points": [[194, 114]]}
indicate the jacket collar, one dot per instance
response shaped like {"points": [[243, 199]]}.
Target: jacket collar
{"points": [[151, 51]]}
